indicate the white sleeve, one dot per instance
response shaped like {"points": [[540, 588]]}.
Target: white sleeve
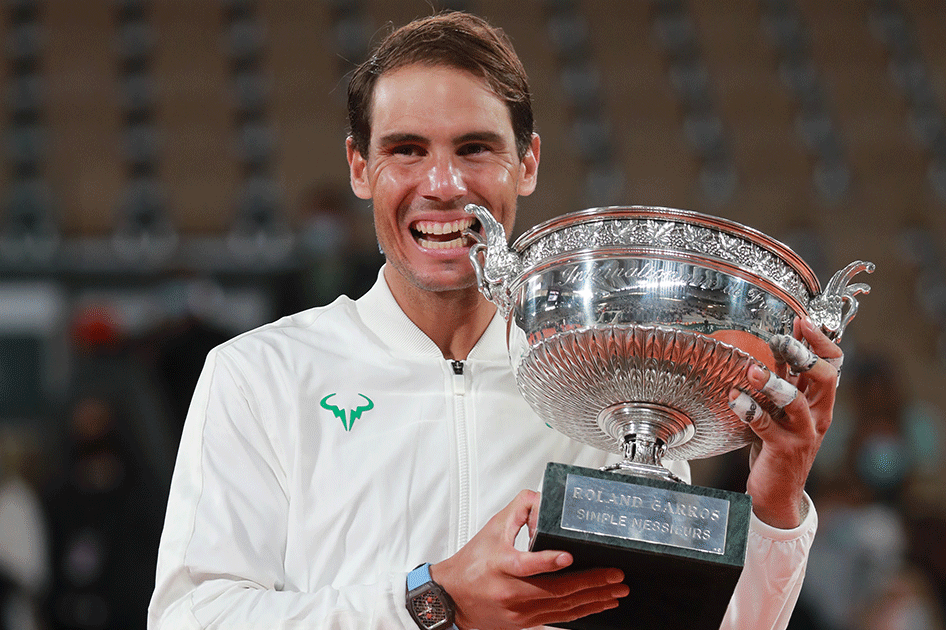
{"points": [[771, 580], [221, 558]]}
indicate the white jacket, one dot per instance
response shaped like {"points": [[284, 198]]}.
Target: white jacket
{"points": [[328, 453]]}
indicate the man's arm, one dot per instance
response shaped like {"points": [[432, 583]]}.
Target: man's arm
{"points": [[771, 580], [784, 520], [782, 458]]}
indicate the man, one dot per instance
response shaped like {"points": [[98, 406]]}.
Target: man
{"points": [[328, 454]]}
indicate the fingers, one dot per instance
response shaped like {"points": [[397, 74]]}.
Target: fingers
{"points": [[562, 608], [559, 597], [563, 596], [779, 391], [745, 407], [494, 585], [789, 350], [835, 362], [824, 348], [789, 410], [524, 510], [574, 583]]}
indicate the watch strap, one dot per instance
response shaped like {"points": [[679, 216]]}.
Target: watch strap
{"points": [[418, 576]]}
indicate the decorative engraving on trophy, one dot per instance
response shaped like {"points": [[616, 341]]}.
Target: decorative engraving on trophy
{"points": [[573, 378], [678, 236], [604, 275], [621, 290], [645, 513]]}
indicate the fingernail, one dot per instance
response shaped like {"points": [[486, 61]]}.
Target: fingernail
{"points": [[745, 407], [563, 560], [615, 577], [620, 591], [756, 373]]}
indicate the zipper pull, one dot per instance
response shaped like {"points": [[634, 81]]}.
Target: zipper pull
{"points": [[459, 381]]}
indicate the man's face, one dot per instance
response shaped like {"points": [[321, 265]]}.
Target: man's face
{"points": [[440, 139]]}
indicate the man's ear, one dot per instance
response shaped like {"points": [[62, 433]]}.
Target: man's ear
{"points": [[357, 170], [529, 168]]}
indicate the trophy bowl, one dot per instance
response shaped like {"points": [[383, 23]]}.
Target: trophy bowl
{"points": [[629, 326]]}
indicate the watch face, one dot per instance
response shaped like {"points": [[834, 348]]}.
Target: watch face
{"points": [[429, 609]]}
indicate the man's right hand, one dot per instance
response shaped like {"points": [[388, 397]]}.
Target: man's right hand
{"points": [[496, 586]]}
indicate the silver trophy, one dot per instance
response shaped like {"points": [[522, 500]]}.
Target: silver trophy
{"points": [[628, 326], [627, 329]]}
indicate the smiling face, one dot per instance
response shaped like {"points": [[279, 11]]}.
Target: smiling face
{"points": [[440, 139]]}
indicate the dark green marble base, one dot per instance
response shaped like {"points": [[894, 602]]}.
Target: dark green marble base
{"points": [[681, 547]]}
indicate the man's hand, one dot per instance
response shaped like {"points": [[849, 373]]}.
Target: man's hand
{"points": [[496, 586], [781, 460]]}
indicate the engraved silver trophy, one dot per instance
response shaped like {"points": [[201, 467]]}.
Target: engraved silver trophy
{"points": [[627, 329]]}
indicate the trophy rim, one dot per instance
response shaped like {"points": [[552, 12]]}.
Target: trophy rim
{"points": [[774, 246]]}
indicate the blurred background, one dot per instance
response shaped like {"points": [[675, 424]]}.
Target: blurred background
{"points": [[172, 173]]}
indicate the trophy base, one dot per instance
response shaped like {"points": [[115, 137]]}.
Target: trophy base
{"points": [[681, 547]]}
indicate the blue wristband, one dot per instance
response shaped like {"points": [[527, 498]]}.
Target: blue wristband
{"points": [[420, 575]]}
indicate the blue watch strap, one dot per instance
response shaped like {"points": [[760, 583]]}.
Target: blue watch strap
{"points": [[419, 576]]}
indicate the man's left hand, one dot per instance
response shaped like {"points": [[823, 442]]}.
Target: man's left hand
{"points": [[782, 458]]}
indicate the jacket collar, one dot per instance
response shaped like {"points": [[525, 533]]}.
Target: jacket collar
{"points": [[379, 311]]}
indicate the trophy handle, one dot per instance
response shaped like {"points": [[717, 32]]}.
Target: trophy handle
{"points": [[827, 309], [493, 261]]}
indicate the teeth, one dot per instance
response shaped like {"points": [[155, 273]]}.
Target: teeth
{"points": [[457, 242], [437, 227]]}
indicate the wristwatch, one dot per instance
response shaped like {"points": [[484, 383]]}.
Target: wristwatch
{"points": [[427, 602]]}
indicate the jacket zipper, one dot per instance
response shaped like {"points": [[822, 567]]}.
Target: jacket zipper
{"points": [[463, 454]]}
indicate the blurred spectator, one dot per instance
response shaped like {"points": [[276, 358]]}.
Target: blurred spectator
{"points": [[864, 572], [104, 521], [338, 246], [890, 442], [894, 439], [906, 603], [859, 549], [181, 343], [24, 559], [928, 548]]}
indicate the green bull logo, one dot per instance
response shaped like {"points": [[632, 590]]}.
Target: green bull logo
{"points": [[352, 415]]}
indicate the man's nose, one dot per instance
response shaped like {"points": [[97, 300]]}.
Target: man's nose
{"points": [[444, 181]]}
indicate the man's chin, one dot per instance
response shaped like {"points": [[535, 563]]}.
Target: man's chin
{"points": [[441, 281]]}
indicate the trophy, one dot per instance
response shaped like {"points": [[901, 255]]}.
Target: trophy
{"points": [[627, 327]]}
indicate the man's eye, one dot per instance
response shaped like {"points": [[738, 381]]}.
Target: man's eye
{"points": [[473, 149], [407, 149]]}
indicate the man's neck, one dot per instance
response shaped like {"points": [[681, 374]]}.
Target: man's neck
{"points": [[454, 320]]}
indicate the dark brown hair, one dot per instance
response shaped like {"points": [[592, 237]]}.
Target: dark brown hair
{"points": [[455, 39]]}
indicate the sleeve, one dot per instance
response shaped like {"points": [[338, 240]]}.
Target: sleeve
{"points": [[221, 556], [771, 580]]}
